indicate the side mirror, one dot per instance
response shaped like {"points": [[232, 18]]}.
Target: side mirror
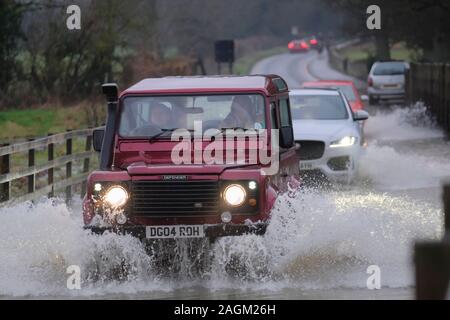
{"points": [[97, 139], [364, 97], [286, 137], [360, 115]]}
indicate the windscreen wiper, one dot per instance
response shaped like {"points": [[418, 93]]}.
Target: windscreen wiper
{"points": [[164, 131], [159, 134]]}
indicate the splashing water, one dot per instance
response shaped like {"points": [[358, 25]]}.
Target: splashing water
{"points": [[318, 240], [314, 241], [407, 150], [402, 124]]}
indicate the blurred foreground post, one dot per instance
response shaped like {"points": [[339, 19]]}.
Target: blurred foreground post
{"points": [[446, 198], [432, 261]]}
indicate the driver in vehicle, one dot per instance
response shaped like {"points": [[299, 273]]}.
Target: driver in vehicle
{"points": [[240, 114]]}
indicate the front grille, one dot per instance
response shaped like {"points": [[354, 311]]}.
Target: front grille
{"points": [[310, 150], [339, 163], [175, 198]]}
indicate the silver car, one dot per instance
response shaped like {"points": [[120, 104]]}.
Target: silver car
{"points": [[386, 81]]}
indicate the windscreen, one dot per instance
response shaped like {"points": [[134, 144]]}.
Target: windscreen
{"points": [[389, 69], [318, 107], [147, 116]]}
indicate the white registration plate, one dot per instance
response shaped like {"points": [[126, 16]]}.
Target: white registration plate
{"points": [[176, 231], [306, 166]]}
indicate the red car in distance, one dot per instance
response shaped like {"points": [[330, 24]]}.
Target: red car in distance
{"points": [[347, 87], [298, 46]]}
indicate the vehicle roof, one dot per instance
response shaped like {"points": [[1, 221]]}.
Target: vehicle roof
{"points": [[318, 91], [390, 61], [322, 82], [270, 84]]}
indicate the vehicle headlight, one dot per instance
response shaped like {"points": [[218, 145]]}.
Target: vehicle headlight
{"points": [[346, 141], [234, 195], [116, 196]]}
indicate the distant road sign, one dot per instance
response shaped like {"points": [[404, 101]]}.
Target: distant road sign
{"points": [[224, 51]]}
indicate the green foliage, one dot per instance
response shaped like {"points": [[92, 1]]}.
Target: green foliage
{"points": [[423, 25], [10, 34], [62, 64]]}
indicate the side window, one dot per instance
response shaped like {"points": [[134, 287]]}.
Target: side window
{"points": [[273, 115], [285, 117]]}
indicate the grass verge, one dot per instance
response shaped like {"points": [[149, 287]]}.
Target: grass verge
{"points": [[363, 51], [19, 124]]}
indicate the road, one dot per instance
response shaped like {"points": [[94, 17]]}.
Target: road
{"points": [[298, 68], [319, 245]]}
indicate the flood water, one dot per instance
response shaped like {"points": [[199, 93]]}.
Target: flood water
{"points": [[318, 245]]}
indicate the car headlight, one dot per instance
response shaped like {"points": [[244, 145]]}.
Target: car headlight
{"points": [[234, 195], [116, 196], [344, 142]]}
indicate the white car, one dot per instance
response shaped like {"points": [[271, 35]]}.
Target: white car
{"points": [[329, 134]]}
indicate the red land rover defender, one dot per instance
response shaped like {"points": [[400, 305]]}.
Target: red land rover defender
{"points": [[156, 177]]}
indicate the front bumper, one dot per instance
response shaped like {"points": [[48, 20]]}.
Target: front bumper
{"points": [[329, 163], [386, 94], [211, 231]]}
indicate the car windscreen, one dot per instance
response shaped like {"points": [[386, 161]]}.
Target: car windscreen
{"points": [[318, 107], [389, 69], [148, 115]]}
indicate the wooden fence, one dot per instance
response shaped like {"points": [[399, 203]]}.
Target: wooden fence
{"points": [[65, 162], [430, 83]]}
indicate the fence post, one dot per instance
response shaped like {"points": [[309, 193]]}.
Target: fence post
{"points": [[50, 172], [31, 163], [69, 169], [407, 87], [5, 188], [88, 147]]}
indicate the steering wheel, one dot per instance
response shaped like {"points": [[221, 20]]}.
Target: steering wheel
{"points": [[147, 130]]}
